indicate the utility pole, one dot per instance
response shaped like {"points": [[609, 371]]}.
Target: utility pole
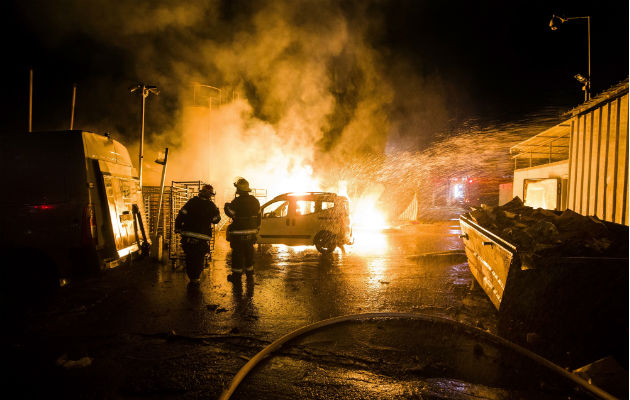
{"points": [[145, 90], [74, 99], [157, 239], [163, 163], [30, 101]]}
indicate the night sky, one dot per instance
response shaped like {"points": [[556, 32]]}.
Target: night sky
{"points": [[488, 60]]}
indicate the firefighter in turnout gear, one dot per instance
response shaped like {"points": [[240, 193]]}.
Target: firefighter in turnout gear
{"points": [[194, 223], [244, 211]]}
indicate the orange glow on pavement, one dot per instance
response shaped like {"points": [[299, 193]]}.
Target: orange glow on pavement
{"points": [[368, 242]]}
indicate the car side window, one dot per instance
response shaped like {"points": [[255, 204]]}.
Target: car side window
{"points": [[277, 209], [344, 207], [327, 205], [305, 207]]}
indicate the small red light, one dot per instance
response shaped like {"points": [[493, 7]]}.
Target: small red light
{"points": [[43, 207], [470, 181]]}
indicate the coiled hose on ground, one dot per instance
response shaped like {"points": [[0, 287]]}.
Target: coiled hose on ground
{"points": [[242, 373]]}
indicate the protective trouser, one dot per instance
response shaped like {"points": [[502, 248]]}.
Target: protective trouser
{"points": [[195, 251], [242, 252]]}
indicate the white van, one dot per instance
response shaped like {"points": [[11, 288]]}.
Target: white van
{"points": [[70, 197], [321, 219]]}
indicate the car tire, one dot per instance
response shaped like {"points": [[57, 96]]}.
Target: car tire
{"points": [[325, 242], [263, 248]]}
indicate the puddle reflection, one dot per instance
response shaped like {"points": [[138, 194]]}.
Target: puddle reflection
{"points": [[369, 242]]}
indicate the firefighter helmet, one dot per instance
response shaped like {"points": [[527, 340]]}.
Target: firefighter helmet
{"points": [[242, 185], [206, 191]]}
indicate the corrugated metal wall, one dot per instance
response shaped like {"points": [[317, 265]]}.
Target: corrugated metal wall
{"points": [[598, 161]]}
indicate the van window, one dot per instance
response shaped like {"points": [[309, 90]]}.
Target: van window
{"points": [[305, 207], [327, 204], [276, 209]]}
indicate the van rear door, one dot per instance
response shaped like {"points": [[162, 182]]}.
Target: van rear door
{"points": [[44, 196], [122, 193]]}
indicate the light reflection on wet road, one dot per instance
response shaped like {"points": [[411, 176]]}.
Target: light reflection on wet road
{"points": [[295, 286], [150, 333]]}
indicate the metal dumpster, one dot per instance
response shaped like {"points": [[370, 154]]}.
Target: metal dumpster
{"points": [[575, 305]]}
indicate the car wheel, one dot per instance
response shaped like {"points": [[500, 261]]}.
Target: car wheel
{"points": [[263, 248], [325, 242]]}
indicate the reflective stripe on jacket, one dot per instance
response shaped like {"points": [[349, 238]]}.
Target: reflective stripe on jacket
{"points": [[244, 232], [198, 215], [195, 235]]}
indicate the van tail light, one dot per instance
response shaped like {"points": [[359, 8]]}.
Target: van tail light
{"points": [[43, 207], [89, 233]]}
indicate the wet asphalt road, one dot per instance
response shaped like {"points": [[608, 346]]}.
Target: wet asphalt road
{"points": [[139, 331]]}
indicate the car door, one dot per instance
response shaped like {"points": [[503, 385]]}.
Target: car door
{"points": [[275, 222], [304, 220]]}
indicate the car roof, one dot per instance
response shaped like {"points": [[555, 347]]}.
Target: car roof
{"points": [[309, 195]]}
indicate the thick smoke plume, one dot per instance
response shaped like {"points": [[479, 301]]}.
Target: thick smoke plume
{"points": [[293, 95], [298, 88]]}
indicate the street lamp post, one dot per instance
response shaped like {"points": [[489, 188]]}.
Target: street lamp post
{"points": [[553, 24], [145, 90]]}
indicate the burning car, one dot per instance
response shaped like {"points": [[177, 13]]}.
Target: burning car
{"points": [[321, 219]]}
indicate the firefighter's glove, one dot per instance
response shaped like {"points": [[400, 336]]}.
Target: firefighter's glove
{"points": [[228, 210]]}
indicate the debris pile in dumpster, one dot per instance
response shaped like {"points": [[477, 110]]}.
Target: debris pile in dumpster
{"points": [[564, 292], [539, 233]]}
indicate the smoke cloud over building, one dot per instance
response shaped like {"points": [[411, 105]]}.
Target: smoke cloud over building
{"points": [[294, 95]]}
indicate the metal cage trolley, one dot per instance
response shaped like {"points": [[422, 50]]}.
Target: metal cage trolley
{"points": [[181, 192]]}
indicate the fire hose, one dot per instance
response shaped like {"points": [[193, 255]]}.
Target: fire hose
{"points": [[249, 366]]}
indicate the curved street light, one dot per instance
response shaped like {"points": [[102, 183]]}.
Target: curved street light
{"points": [[553, 24], [144, 91]]}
